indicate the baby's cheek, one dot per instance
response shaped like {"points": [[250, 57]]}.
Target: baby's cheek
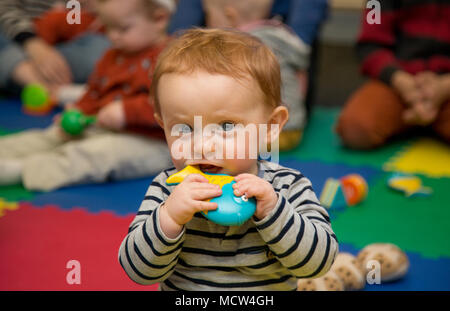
{"points": [[238, 156], [243, 144], [180, 149]]}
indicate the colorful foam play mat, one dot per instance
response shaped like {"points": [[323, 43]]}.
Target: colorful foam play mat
{"points": [[45, 237]]}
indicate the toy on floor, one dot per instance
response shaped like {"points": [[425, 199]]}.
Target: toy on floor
{"points": [[332, 282], [74, 122], [231, 210], [346, 191], [394, 263], [36, 100], [408, 184], [351, 273]]}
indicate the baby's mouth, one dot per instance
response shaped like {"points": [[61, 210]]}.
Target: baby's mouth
{"points": [[209, 168]]}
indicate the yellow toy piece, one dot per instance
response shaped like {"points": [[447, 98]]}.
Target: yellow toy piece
{"points": [[4, 205], [217, 179], [410, 185], [231, 210]]}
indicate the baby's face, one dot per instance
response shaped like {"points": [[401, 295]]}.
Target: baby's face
{"points": [[213, 121], [215, 15], [128, 26]]}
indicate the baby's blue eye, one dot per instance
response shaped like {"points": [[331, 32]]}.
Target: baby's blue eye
{"points": [[186, 129], [227, 126]]}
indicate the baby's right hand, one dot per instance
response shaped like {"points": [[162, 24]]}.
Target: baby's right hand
{"points": [[187, 199]]}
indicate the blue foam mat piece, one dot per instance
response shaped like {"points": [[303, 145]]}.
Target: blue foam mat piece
{"points": [[12, 117], [122, 197]]}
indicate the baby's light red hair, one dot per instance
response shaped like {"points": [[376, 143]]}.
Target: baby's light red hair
{"points": [[225, 52]]}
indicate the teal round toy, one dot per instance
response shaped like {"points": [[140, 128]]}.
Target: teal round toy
{"points": [[231, 210], [74, 122]]}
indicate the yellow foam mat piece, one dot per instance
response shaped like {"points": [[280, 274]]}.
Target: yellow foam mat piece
{"points": [[426, 156]]}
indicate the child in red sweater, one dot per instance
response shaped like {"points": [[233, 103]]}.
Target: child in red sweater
{"points": [[407, 57], [126, 142]]}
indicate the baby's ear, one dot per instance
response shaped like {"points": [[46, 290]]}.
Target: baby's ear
{"points": [[277, 120], [158, 120]]}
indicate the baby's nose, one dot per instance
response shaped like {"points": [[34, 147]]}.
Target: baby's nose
{"points": [[205, 147]]}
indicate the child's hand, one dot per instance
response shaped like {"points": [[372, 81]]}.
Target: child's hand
{"points": [[185, 200], [57, 123], [421, 113], [49, 61], [406, 86], [435, 90], [112, 116], [253, 186]]}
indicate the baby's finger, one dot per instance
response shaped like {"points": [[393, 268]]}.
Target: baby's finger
{"points": [[202, 206], [244, 176], [203, 186], [196, 178], [204, 194], [246, 188]]}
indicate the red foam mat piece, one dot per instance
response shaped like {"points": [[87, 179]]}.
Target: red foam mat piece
{"points": [[36, 244]]}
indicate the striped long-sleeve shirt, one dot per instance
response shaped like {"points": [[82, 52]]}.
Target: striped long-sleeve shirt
{"points": [[294, 241], [413, 36]]}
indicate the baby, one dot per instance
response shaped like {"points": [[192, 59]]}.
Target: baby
{"points": [[222, 82], [292, 53], [126, 134]]}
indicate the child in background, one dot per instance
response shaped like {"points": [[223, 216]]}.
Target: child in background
{"points": [[229, 79], [292, 53], [407, 58], [127, 142], [38, 45], [53, 28]]}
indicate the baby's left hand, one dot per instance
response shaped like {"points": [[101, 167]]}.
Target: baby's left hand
{"points": [[253, 186], [112, 116]]}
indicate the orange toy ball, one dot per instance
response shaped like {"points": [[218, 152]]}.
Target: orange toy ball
{"points": [[355, 188]]}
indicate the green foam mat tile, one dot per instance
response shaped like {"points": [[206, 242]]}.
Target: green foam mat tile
{"points": [[3, 132], [15, 193], [420, 224], [320, 142]]}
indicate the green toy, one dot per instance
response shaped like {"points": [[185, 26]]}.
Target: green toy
{"points": [[74, 122], [36, 99]]}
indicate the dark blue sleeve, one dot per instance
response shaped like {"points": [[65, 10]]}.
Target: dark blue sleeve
{"points": [[303, 16], [189, 13]]}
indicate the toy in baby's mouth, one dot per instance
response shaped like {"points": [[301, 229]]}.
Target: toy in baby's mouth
{"points": [[231, 210], [36, 100], [74, 122]]}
